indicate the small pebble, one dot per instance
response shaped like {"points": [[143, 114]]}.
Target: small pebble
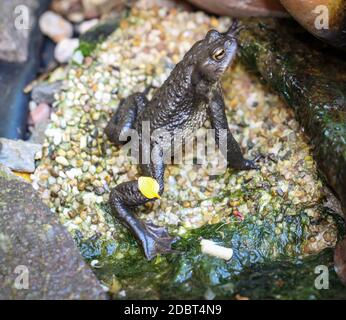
{"points": [[64, 50], [62, 160], [55, 26], [40, 114], [87, 25]]}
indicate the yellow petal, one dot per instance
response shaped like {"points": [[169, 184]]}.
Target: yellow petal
{"points": [[149, 187], [23, 175]]}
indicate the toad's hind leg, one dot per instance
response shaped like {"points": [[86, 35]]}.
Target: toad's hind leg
{"points": [[124, 118], [125, 197]]}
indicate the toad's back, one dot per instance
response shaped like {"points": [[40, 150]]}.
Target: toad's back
{"points": [[175, 105]]}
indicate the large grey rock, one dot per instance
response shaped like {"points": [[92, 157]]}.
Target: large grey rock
{"points": [[18, 155], [38, 257], [236, 8], [14, 34]]}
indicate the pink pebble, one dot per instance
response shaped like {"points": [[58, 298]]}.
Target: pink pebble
{"points": [[40, 114]]}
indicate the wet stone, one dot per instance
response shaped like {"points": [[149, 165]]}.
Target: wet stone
{"points": [[36, 246], [276, 51], [44, 92], [18, 155]]}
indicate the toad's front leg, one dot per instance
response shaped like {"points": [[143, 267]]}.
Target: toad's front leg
{"points": [[219, 122], [128, 195]]}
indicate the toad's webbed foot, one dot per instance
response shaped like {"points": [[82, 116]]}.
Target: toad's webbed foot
{"points": [[243, 164], [155, 240], [249, 165]]}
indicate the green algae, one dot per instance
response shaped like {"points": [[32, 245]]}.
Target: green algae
{"points": [[311, 78], [265, 264], [287, 280]]}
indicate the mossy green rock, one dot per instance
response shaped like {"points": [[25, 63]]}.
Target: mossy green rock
{"points": [[311, 78], [265, 264]]}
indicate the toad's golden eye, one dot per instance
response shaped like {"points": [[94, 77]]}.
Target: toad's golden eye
{"points": [[219, 54]]}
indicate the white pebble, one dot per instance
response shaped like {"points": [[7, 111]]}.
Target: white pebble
{"points": [[62, 160], [98, 95], [78, 57], [74, 172], [87, 25], [64, 50], [83, 142]]}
